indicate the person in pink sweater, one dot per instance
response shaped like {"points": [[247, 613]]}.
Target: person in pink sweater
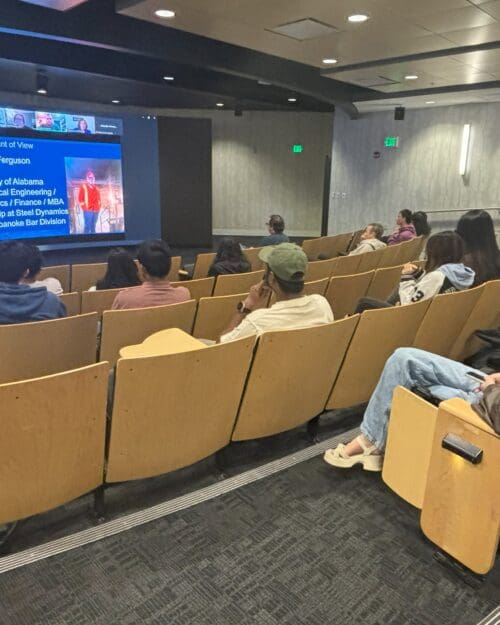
{"points": [[405, 230]]}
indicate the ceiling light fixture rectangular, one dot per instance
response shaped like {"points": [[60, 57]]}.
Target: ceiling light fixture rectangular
{"points": [[304, 29]]}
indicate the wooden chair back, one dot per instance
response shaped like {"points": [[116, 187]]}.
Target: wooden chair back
{"points": [[344, 292], [72, 301], [384, 282], [173, 274], [130, 327], [174, 410], [355, 240], [444, 320], [370, 260], [98, 301], [390, 256], [485, 315], [202, 265], [346, 265], [312, 248], [291, 376], [252, 255], [319, 269], [378, 334], [60, 272], [203, 287], [409, 444], [335, 244], [85, 276], [214, 314], [39, 348], [52, 443], [230, 284], [316, 287], [410, 250], [461, 508]]}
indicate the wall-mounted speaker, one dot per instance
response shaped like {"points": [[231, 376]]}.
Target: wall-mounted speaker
{"points": [[399, 113]]}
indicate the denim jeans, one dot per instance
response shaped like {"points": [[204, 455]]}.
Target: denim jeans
{"points": [[90, 221], [410, 367]]}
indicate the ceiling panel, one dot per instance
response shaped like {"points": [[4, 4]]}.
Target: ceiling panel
{"points": [[475, 36], [410, 8], [456, 19], [416, 102], [493, 8]]}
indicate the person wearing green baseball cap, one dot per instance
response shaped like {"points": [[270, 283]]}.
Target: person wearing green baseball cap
{"points": [[285, 268]]}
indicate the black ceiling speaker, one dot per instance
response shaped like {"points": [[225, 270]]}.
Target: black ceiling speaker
{"points": [[399, 113]]}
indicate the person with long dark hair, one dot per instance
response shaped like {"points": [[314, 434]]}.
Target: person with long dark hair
{"points": [[481, 249], [229, 259], [121, 272], [420, 223], [405, 230]]}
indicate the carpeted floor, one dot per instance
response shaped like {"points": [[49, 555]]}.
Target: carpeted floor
{"points": [[311, 545]]}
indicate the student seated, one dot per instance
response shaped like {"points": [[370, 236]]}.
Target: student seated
{"points": [[370, 240], [407, 367], [405, 230], [20, 302], [444, 273], [121, 272], [481, 249], [34, 267], [286, 266], [276, 227], [420, 223], [154, 264], [229, 259]]}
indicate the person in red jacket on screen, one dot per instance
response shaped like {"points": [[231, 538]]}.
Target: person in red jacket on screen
{"points": [[89, 199]]}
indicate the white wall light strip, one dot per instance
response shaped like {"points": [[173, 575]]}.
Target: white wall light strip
{"points": [[464, 150]]}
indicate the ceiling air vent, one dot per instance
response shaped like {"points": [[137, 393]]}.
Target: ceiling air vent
{"points": [[307, 28]]}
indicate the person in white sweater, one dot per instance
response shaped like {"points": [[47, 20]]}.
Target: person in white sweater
{"points": [[34, 267], [370, 240]]}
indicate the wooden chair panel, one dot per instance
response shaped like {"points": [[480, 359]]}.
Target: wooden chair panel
{"points": [[171, 411], [319, 269], [370, 260], [316, 287], [281, 397], [98, 301], [252, 255], [52, 443], [355, 240], [85, 276], [484, 315], [60, 272], [173, 274], [214, 315], [378, 334], [344, 292], [410, 250], [231, 284], [384, 282], [461, 508], [72, 301], [409, 444], [346, 265], [444, 320], [333, 245], [36, 349], [198, 288], [390, 256], [202, 265], [312, 248], [130, 327]]}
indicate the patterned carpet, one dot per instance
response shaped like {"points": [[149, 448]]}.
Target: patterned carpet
{"points": [[311, 545]]}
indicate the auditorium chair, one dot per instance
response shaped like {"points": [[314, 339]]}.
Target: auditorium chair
{"points": [[344, 292], [129, 327], [346, 265], [174, 410], [53, 439], [318, 287], [355, 240], [72, 301], [485, 315], [390, 255], [334, 245], [312, 248], [173, 274], [60, 272], [214, 315], [370, 260], [385, 281], [319, 269], [290, 378], [230, 284], [377, 335], [202, 287], [461, 506], [98, 301], [252, 255], [444, 319], [202, 265], [86, 275], [35, 349], [410, 250]]}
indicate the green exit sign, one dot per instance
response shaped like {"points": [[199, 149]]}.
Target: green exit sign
{"points": [[297, 148], [391, 142]]}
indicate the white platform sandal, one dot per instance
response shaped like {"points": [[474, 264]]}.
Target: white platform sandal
{"points": [[371, 461]]}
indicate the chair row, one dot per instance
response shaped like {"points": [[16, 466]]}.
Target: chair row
{"points": [[331, 246]]}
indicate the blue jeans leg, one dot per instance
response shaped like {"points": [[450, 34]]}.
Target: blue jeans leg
{"points": [[90, 221], [410, 367]]}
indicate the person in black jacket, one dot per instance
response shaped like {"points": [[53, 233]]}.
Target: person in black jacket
{"points": [[229, 259]]}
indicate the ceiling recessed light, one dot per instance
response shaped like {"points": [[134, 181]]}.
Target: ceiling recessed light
{"points": [[115, 101], [220, 104], [411, 77], [166, 14], [42, 91], [358, 17], [292, 99], [430, 102], [168, 78], [330, 61]]}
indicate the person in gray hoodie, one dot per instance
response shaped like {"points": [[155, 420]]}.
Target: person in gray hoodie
{"points": [[20, 302]]}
